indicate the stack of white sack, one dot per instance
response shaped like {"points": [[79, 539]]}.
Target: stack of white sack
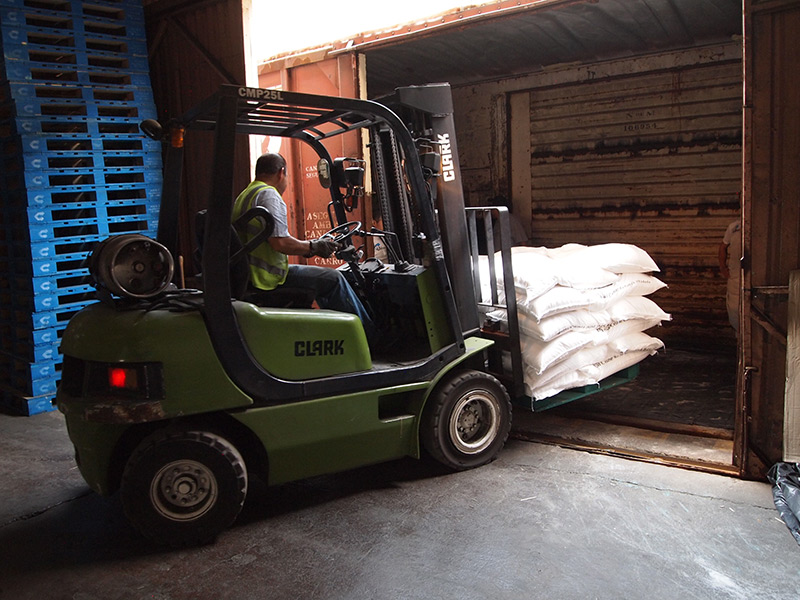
{"points": [[582, 312]]}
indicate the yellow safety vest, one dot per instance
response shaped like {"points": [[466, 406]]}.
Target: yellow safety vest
{"points": [[268, 267]]}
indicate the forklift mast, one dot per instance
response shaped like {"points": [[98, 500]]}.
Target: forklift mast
{"points": [[427, 112]]}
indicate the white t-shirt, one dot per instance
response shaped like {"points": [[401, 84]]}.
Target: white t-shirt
{"points": [[270, 199]]}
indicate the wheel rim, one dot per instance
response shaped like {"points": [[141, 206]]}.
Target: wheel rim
{"points": [[474, 422], [183, 490]]}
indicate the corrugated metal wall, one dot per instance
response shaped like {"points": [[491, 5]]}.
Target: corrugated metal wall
{"points": [[640, 152]]}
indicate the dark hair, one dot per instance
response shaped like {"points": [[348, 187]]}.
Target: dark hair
{"points": [[270, 164]]}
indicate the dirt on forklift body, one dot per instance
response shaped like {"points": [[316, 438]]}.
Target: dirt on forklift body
{"points": [[175, 397]]}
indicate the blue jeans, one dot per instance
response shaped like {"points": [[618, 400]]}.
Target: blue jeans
{"points": [[331, 290]]}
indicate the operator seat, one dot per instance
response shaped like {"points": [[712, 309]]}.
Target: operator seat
{"points": [[280, 297]]}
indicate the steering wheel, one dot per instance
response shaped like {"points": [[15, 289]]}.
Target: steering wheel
{"points": [[343, 232]]}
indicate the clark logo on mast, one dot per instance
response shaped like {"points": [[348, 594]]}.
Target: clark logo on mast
{"points": [[448, 169]]}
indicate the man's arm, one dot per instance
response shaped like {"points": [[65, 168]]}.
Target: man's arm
{"points": [[290, 245]]}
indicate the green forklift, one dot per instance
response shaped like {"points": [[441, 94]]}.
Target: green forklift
{"points": [[177, 397]]}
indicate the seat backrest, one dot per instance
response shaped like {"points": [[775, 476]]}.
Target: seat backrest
{"points": [[238, 262]]}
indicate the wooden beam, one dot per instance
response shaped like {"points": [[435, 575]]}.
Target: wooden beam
{"points": [[791, 410]]}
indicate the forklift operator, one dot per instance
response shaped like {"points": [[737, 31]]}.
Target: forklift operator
{"points": [[269, 263]]}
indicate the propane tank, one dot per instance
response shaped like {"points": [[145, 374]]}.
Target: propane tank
{"points": [[132, 265]]}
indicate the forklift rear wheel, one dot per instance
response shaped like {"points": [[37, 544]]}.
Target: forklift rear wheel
{"points": [[182, 488], [466, 421]]}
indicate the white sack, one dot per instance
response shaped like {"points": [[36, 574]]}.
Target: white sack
{"points": [[630, 308], [617, 258], [592, 364], [562, 299]]}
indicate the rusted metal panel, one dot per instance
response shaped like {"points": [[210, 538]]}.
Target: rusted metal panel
{"points": [[194, 47], [771, 222], [305, 198]]}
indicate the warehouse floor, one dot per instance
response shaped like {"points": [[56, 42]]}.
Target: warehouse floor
{"points": [[540, 522]]}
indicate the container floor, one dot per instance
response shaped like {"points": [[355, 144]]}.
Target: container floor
{"points": [[679, 410], [675, 386]]}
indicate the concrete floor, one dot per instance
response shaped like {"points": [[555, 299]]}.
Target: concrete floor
{"points": [[540, 522]]}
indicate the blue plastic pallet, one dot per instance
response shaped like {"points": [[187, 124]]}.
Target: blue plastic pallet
{"points": [[57, 125], [26, 405], [41, 387], [70, 248], [53, 39], [72, 214], [47, 267], [23, 91], [24, 316], [119, 144], [42, 369], [22, 71], [50, 319], [62, 282], [135, 6], [86, 179], [118, 9], [67, 248], [55, 302], [23, 350], [42, 54], [57, 232], [66, 212], [42, 337], [13, 37], [91, 159], [97, 141], [94, 109], [108, 194], [24, 383], [32, 20], [112, 11]]}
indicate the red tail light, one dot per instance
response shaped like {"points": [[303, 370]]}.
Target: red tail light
{"points": [[123, 378]]}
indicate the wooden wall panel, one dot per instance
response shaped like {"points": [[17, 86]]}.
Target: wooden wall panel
{"points": [[643, 151], [772, 220], [652, 160]]}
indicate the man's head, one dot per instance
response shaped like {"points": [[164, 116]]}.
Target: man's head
{"points": [[271, 169]]}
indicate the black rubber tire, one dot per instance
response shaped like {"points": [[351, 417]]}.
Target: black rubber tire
{"points": [[466, 420], [182, 488]]}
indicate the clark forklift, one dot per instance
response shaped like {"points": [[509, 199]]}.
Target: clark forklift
{"points": [[176, 397]]}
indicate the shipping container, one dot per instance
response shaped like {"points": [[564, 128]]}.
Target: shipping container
{"points": [[601, 121]]}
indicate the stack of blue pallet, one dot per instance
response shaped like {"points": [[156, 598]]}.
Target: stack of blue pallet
{"points": [[74, 86]]}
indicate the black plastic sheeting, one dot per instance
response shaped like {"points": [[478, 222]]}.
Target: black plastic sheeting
{"points": [[785, 479]]}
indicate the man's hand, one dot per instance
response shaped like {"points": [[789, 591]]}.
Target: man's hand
{"points": [[322, 248]]}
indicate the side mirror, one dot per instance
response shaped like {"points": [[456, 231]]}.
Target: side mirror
{"points": [[324, 173], [152, 129]]}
